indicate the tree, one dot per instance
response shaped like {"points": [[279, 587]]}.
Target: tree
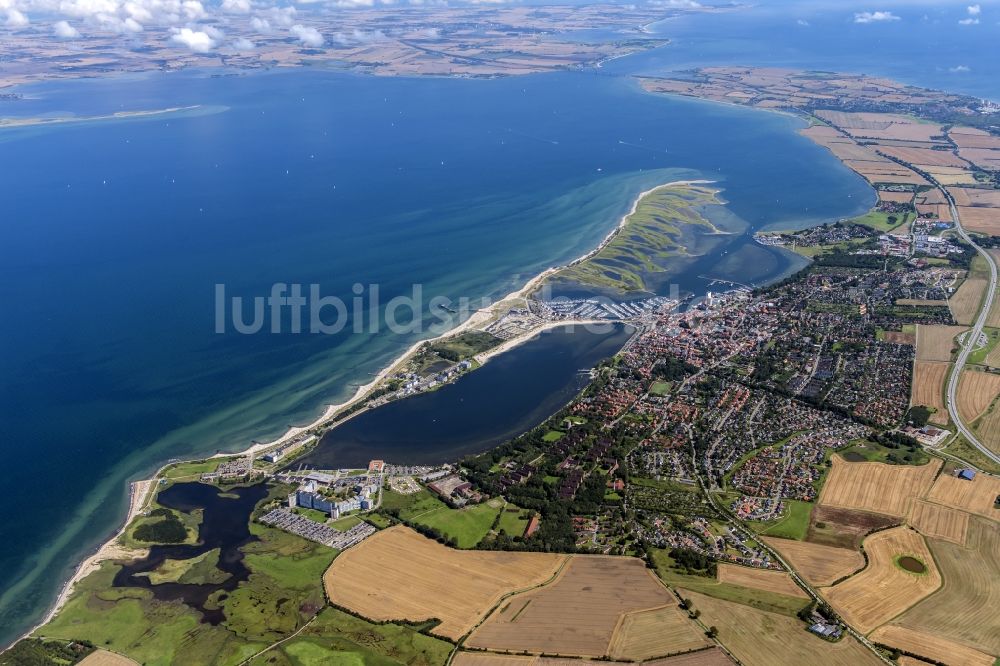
{"points": [[713, 631]]}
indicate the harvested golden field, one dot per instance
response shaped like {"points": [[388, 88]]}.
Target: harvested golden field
{"points": [[934, 343], [981, 157], [105, 658], [930, 646], [965, 301], [964, 610], [976, 392], [928, 388], [818, 564], [983, 220], [656, 632], [760, 579], [398, 574], [769, 639], [885, 172], [884, 589], [967, 196], [924, 156], [486, 659], [976, 496], [876, 487], [938, 521], [710, 657], [578, 613], [896, 197], [988, 429]]}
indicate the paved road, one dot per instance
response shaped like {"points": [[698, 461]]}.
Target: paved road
{"points": [[970, 339]]}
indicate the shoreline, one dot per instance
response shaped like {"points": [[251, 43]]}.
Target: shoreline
{"points": [[140, 489]]}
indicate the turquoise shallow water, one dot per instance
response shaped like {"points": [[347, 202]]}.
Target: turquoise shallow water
{"points": [[119, 232]]}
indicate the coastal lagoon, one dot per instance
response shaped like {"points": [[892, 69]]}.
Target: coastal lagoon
{"points": [[511, 394], [118, 231]]}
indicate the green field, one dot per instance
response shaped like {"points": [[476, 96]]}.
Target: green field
{"points": [[766, 601], [513, 520], [466, 526], [314, 515], [338, 638], [192, 471], [464, 345], [978, 357], [660, 388], [665, 224], [880, 221], [553, 436], [793, 525], [412, 505], [875, 452], [347, 522], [961, 448]]}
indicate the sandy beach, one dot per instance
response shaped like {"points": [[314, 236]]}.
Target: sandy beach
{"points": [[139, 494], [140, 490]]}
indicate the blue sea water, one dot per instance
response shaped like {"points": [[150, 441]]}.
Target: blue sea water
{"points": [[114, 235]]}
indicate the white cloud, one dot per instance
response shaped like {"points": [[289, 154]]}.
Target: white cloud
{"points": [[243, 44], [236, 6], [260, 25], [959, 69], [16, 19], [306, 35], [974, 10], [803, 22], [676, 4], [63, 30], [193, 10], [197, 41], [969, 21], [874, 17]]}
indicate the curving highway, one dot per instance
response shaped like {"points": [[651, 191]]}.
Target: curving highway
{"points": [[970, 339]]}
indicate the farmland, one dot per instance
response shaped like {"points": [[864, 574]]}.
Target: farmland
{"points": [[976, 391], [942, 522], [707, 657], [876, 487], [818, 564], [105, 658], [768, 639], [928, 388], [935, 343], [337, 637], [411, 570], [578, 613], [964, 609], [988, 428], [930, 646], [771, 602], [654, 633], [760, 579], [976, 496], [884, 589]]}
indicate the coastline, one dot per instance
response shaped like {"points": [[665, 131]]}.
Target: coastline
{"points": [[140, 489]]}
